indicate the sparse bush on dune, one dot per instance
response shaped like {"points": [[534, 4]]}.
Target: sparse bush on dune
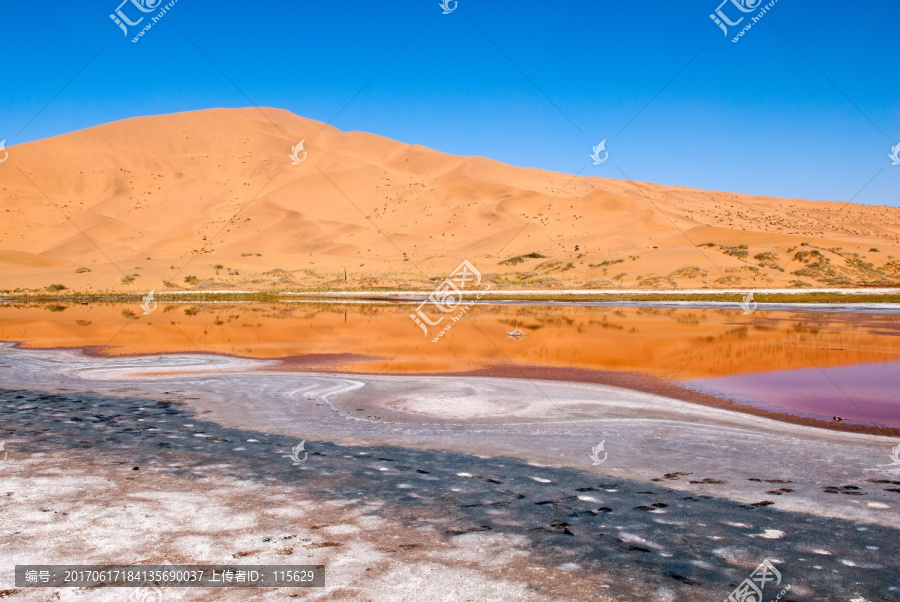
{"points": [[605, 263], [82, 270], [521, 258], [368, 281], [191, 280], [739, 251], [547, 281], [768, 260], [892, 268], [728, 281], [656, 281], [524, 276], [855, 261], [839, 280], [855, 270], [56, 287], [809, 256], [129, 278], [512, 261], [602, 283], [548, 265], [691, 271]]}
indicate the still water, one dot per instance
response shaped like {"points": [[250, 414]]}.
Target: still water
{"points": [[812, 363]]}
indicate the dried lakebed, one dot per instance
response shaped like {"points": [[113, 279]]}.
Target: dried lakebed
{"points": [[429, 487]]}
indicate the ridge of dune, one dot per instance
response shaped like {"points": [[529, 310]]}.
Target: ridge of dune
{"points": [[210, 199]]}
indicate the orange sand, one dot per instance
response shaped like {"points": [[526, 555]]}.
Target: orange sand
{"points": [[169, 197]]}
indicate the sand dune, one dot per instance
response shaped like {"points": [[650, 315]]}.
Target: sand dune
{"points": [[210, 199]]}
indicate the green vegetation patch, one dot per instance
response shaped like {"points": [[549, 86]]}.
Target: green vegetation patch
{"points": [[521, 258]]}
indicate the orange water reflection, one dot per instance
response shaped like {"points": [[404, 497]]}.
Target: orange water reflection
{"points": [[681, 343]]}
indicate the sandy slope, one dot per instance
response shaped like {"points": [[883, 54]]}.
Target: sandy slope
{"points": [[173, 196]]}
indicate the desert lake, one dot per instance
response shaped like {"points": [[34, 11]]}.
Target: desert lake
{"points": [[792, 359]]}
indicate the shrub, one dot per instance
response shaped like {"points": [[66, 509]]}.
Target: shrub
{"points": [[56, 287], [82, 270], [807, 256], [191, 280], [740, 251], [606, 262], [521, 258], [768, 260], [692, 271]]}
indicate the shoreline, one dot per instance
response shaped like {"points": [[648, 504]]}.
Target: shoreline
{"points": [[634, 381], [329, 363], [793, 296]]}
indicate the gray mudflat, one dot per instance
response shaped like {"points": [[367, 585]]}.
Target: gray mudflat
{"points": [[486, 484]]}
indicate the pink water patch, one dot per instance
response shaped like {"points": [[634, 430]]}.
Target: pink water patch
{"points": [[863, 393]]}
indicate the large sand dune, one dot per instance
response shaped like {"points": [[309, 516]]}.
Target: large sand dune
{"points": [[211, 199]]}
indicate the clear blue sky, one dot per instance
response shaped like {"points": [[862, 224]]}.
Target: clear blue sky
{"points": [[756, 116]]}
